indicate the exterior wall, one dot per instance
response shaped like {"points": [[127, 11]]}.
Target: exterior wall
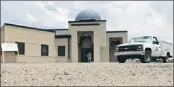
{"points": [[74, 47], [62, 42], [62, 32], [49, 59], [2, 39], [105, 51], [97, 46], [102, 33], [28, 59], [98, 35], [117, 34], [104, 54], [13, 34], [33, 40], [2, 34], [10, 57]]}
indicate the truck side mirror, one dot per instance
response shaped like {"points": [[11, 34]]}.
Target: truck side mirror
{"points": [[155, 42]]}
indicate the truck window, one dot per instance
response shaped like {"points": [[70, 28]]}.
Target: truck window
{"points": [[155, 39], [143, 39]]}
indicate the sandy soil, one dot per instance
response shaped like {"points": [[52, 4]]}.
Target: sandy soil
{"points": [[87, 74]]}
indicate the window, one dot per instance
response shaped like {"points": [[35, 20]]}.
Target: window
{"points": [[61, 50], [44, 50], [144, 39], [21, 48], [155, 39]]}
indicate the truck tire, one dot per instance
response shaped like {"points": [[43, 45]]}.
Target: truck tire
{"points": [[121, 59], [154, 59], [146, 58], [165, 59]]}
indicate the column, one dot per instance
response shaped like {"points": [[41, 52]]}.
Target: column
{"points": [[96, 47], [74, 47]]}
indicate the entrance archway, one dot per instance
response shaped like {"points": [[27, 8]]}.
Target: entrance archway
{"points": [[85, 47], [113, 43]]}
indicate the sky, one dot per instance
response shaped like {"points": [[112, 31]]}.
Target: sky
{"points": [[137, 17]]}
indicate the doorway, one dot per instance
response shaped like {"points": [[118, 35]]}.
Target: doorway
{"points": [[112, 46], [86, 49]]}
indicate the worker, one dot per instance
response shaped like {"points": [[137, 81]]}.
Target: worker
{"points": [[89, 56]]}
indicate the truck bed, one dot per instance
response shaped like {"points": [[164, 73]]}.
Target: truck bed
{"points": [[166, 47]]}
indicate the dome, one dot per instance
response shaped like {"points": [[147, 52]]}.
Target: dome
{"points": [[87, 15]]}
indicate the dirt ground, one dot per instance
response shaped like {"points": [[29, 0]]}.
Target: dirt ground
{"points": [[87, 74]]}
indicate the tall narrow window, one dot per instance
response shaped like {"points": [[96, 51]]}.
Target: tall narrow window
{"points": [[21, 48], [44, 50], [61, 50]]}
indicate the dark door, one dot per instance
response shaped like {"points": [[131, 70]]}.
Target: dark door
{"points": [[113, 45], [86, 47], [84, 53]]}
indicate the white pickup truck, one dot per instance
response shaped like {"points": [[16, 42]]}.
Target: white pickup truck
{"points": [[145, 48]]}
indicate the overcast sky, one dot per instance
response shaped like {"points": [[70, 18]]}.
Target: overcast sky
{"points": [[137, 17]]}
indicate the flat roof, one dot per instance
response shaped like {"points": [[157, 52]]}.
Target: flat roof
{"points": [[86, 21], [53, 30], [33, 28], [116, 31], [58, 29]]}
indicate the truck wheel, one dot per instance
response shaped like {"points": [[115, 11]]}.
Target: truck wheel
{"points": [[154, 60], [165, 59], [146, 58], [121, 59]]}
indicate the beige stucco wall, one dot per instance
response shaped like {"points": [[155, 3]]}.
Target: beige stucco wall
{"points": [[118, 34], [99, 38], [62, 42], [104, 54], [33, 40], [2, 39], [105, 50], [10, 57], [36, 59], [2, 34], [28, 35], [53, 53]]}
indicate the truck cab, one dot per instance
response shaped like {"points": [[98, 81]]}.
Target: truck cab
{"points": [[145, 48]]}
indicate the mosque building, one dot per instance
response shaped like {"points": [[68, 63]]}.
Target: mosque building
{"points": [[85, 40]]}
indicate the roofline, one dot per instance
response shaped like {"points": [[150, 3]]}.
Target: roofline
{"points": [[57, 29], [16, 25], [116, 31], [53, 30], [86, 24], [86, 21]]}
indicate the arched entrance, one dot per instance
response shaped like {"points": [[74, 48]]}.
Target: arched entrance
{"points": [[85, 48], [112, 46]]}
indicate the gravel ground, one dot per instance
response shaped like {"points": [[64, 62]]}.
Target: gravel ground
{"points": [[87, 74]]}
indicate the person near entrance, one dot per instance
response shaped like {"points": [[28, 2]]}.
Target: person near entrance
{"points": [[89, 56]]}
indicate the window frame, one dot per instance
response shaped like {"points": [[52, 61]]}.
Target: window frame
{"points": [[155, 39], [59, 51], [19, 49], [43, 53]]}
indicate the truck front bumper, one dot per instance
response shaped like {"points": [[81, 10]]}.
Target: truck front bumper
{"points": [[130, 54]]}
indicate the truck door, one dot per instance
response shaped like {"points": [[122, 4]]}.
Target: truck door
{"points": [[156, 47]]}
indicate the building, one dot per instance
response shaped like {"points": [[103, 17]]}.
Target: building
{"points": [[87, 34]]}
